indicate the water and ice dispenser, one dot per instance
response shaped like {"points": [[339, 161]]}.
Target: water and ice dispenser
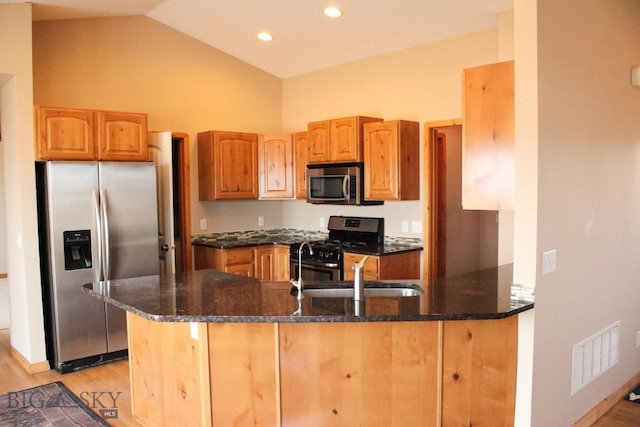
{"points": [[77, 249]]}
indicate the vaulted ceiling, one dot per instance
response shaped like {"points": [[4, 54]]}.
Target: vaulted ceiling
{"points": [[305, 40]]}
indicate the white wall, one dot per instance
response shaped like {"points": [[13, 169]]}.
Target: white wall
{"points": [[16, 98], [588, 196]]}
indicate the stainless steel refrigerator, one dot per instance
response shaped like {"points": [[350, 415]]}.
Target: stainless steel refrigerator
{"points": [[97, 221]]}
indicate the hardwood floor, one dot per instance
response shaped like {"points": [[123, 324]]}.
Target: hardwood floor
{"points": [[87, 383], [114, 378], [624, 414]]}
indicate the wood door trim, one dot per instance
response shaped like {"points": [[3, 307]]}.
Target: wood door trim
{"points": [[430, 214], [185, 198]]}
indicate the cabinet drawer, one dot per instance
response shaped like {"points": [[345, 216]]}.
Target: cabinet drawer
{"points": [[238, 256]]}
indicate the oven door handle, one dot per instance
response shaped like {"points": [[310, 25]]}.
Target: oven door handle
{"points": [[317, 263]]}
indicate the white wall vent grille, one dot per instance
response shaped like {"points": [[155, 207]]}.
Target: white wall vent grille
{"points": [[594, 356]]}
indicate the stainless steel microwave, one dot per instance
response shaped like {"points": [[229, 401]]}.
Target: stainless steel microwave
{"points": [[337, 184]]}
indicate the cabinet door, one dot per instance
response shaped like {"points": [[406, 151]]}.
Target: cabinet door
{"points": [[276, 166], [319, 142], [121, 136], [381, 158], [239, 261], [236, 165], [64, 134], [371, 266], [264, 262], [488, 174], [227, 165], [392, 156], [282, 263], [347, 138], [300, 151]]}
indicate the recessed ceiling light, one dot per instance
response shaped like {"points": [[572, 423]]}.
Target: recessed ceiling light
{"points": [[264, 36], [333, 12]]}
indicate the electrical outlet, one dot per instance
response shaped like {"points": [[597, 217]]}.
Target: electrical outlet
{"points": [[549, 262], [416, 226], [203, 224], [322, 222], [405, 226], [260, 221], [638, 339]]}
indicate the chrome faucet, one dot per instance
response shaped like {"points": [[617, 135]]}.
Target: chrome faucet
{"points": [[299, 284], [358, 279]]}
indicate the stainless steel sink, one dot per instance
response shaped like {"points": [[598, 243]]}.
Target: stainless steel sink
{"points": [[371, 289]]}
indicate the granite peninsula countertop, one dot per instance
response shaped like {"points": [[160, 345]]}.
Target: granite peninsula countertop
{"points": [[215, 296], [288, 236]]}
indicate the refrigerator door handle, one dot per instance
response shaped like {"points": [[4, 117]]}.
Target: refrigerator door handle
{"points": [[96, 205], [105, 246]]}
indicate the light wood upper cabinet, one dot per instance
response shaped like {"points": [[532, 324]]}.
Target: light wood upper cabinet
{"points": [[122, 136], [300, 154], [275, 163], [392, 160], [227, 165], [337, 140], [81, 134], [319, 142], [488, 173]]}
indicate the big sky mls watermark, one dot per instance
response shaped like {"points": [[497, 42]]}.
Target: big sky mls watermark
{"points": [[104, 402]]}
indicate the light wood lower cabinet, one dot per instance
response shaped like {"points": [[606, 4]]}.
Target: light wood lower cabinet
{"points": [[263, 262], [432, 373], [403, 265], [237, 261]]}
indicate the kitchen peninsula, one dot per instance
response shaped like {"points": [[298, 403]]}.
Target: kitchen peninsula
{"points": [[211, 348]]}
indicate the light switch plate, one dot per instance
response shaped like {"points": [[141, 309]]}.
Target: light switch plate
{"points": [[405, 226], [549, 262], [203, 224], [260, 221]]}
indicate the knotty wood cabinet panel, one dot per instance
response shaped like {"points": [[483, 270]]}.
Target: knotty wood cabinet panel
{"points": [[479, 372], [300, 151], [337, 140], [282, 263], [392, 159], [488, 171], [276, 166], [169, 373], [403, 265], [362, 373], [347, 138], [237, 261], [244, 374], [65, 134], [227, 165], [122, 136], [265, 262], [319, 141], [80, 134]]}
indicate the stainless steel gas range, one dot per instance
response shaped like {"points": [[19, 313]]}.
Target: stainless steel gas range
{"points": [[324, 262]]}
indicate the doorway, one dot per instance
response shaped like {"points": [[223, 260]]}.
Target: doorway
{"points": [[457, 240], [170, 152]]}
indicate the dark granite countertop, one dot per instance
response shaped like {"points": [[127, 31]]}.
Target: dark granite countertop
{"points": [[214, 296], [288, 236]]}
